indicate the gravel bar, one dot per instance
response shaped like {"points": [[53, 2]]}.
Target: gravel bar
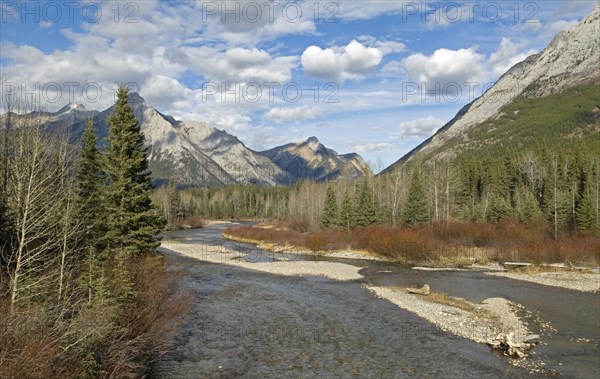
{"points": [[579, 281], [332, 270]]}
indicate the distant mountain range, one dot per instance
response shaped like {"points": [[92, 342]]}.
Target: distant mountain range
{"points": [[195, 154], [549, 98]]}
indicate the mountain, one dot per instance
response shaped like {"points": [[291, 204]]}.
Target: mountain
{"points": [[243, 164], [311, 160], [170, 155], [193, 153], [547, 98], [64, 118]]}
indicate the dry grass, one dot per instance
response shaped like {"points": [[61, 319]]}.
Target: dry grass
{"points": [[444, 299], [41, 340]]}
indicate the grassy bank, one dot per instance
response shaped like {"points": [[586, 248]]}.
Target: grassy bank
{"points": [[452, 244]]}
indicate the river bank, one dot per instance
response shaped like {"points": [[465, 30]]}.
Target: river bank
{"points": [[585, 281]]}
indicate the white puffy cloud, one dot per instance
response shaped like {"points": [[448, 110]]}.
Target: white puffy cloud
{"points": [[352, 62], [163, 92], [385, 46], [304, 112], [446, 66], [421, 127], [240, 65], [463, 67]]}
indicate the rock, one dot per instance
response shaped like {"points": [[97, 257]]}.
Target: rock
{"points": [[512, 347], [420, 291], [532, 339]]}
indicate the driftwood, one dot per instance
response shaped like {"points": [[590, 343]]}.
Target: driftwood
{"points": [[514, 265], [419, 291], [514, 347]]}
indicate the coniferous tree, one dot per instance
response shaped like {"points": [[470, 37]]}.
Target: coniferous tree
{"points": [[330, 209], [499, 209], [416, 211], [528, 209], [586, 215], [346, 215], [89, 186], [90, 214], [365, 210], [132, 222]]}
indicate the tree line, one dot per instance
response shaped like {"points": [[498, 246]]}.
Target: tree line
{"points": [[558, 188]]}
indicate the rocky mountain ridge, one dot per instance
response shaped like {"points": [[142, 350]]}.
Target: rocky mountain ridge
{"points": [[571, 59], [193, 153]]}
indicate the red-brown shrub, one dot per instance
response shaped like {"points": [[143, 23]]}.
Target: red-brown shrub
{"points": [[508, 240]]}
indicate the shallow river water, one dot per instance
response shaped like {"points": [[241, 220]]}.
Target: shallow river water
{"points": [[257, 325]]}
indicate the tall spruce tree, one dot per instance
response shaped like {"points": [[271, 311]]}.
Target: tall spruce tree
{"points": [[133, 223], [89, 186], [91, 215], [346, 215], [528, 209], [365, 209], [416, 211], [499, 209], [330, 209], [586, 214]]}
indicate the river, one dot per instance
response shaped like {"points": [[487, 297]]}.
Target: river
{"points": [[253, 324]]}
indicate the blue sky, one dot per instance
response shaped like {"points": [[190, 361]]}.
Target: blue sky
{"points": [[373, 77]]}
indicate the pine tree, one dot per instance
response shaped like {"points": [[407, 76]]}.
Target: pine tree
{"points": [[528, 208], [586, 215], [330, 210], [132, 222], [172, 204], [499, 209], [416, 211], [90, 214], [89, 184], [346, 216], [365, 209]]}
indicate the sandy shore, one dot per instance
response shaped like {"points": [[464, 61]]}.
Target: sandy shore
{"points": [[575, 280], [217, 254]]}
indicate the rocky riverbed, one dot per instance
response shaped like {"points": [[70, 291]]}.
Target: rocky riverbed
{"points": [[364, 318], [492, 320]]}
